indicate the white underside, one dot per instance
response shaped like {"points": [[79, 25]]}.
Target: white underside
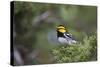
{"points": [[66, 40]]}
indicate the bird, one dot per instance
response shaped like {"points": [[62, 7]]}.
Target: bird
{"points": [[63, 36]]}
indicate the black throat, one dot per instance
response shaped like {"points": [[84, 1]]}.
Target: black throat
{"points": [[59, 34]]}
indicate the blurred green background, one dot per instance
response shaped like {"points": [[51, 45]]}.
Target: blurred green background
{"points": [[35, 24]]}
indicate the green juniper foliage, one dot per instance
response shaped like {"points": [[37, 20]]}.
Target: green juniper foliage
{"points": [[85, 51], [34, 33]]}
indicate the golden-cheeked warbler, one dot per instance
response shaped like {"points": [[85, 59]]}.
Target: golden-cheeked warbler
{"points": [[63, 36]]}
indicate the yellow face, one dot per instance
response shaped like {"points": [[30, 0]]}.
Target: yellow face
{"points": [[61, 29]]}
